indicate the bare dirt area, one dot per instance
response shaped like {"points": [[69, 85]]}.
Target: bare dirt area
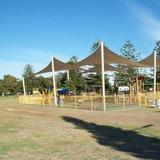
{"points": [[48, 133]]}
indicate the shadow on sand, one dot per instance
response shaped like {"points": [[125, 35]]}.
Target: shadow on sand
{"points": [[139, 146]]}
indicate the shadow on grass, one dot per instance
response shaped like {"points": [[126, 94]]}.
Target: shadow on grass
{"points": [[139, 146]]}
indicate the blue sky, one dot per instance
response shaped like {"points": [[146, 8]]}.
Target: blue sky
{"points": [[31, 31]]}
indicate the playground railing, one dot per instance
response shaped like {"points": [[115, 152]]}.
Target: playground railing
{"points": [[93, 102], [35, 100], [149, 99]]}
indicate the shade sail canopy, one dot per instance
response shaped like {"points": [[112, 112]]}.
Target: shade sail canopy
{"points": [[107, 67], [149, 61], [109, 57], [58, 66]]}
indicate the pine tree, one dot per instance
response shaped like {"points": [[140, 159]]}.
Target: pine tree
{"points": [[76, 82], [157, 47], [128, 51], [95, 45], [29, 77]]}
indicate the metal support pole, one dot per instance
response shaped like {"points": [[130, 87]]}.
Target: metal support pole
{"points": [[54, 82], [155, 70], [68, 75], [24, 90], [103, 76], [137, 85], [91, 102]]}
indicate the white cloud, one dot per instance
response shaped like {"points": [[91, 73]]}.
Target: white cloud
{"points": [[148, 21]]}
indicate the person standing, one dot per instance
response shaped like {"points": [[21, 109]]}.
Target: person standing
{"points": [[58, 99]]}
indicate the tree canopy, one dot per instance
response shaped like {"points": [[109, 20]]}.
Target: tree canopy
{"points": [[128, 51], [157, 47]]}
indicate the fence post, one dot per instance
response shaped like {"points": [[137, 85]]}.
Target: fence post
{"points": [[124, 101], [139, 99], [115, 98], [75, 102], [145, 100], [91, 102]]}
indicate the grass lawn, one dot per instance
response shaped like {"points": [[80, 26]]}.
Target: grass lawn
{"points": [[47, 133]]}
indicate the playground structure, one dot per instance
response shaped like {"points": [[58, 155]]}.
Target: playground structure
{"points": [[135, 96], [102, 57]]}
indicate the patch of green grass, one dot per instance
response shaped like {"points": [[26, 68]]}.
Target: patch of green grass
{"points": [[25, 144], [150, 131], [8, 127], [8, 99]]}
